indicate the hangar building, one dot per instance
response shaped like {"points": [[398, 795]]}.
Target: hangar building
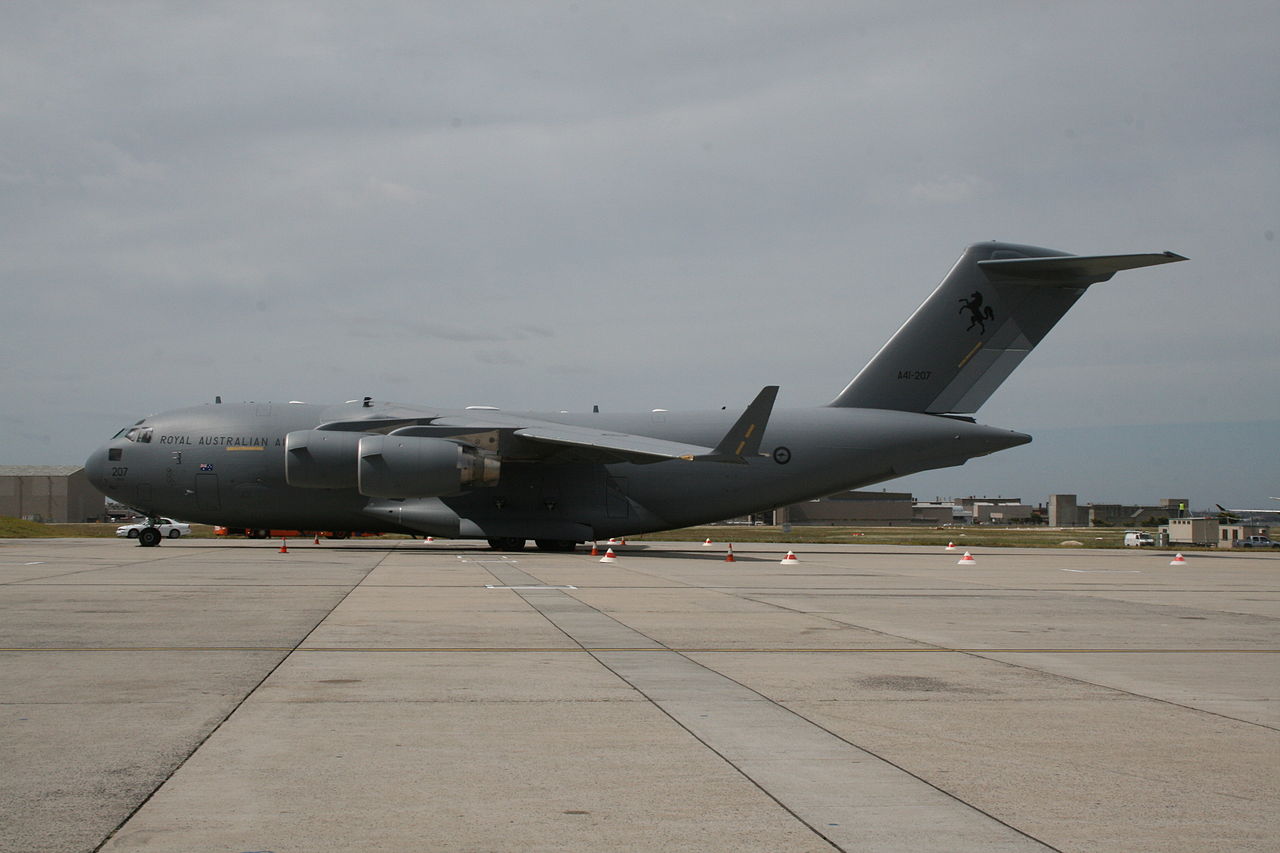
{"points": [[49, 493]]}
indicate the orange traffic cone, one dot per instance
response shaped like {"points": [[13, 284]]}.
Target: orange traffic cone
{"points": [[317, 540], [790, 559], [595, 550], [284, 546], [609, 557], [967, 560], [729, 558], [1178, 560]]}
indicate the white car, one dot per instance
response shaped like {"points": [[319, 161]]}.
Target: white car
{"points": [[167, 527]]}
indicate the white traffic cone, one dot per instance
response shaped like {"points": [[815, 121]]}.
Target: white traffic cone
{"points": [[609, 557], [951, 546], [967, 560], [707, 543], [790, 559], [1178, 560]]}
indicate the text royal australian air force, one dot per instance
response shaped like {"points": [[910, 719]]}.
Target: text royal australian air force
{"points": [[220, 441]]}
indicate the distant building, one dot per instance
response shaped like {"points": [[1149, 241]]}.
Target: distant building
{"points": [[974, 510], [996, 510], [1064, 511], [886, 509], [939, 512], [50, 493], [876, 509]]}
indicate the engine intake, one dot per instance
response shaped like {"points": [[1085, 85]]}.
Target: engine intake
{"points": [[321, 459], [406, 466]]}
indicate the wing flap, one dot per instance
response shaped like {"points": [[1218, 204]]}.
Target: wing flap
{"points": [[637, 448]]}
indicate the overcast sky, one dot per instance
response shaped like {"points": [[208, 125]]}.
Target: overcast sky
{"points": [[545, 205]]}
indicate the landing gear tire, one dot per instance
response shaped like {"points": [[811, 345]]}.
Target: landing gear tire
{"points": [[506, 543], [149, 537], [556, 545]]}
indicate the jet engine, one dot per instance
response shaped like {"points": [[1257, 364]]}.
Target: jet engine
{"points": [[386, 466], [321, 458], [407, 466]]}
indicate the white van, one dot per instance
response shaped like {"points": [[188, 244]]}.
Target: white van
{"points": [[1137, 539]]}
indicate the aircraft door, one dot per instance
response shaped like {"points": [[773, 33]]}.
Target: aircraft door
{"points": [[207, 491], [616, 504]]}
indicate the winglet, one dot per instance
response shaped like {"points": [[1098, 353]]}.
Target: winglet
{"points": [[743, 438]]}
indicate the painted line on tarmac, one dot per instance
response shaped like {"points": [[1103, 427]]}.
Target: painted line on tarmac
{"points": [[579, 650], [544, 586], [1104, 571]]}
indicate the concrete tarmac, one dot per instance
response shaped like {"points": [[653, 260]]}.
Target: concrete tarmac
{"points": [[402, 695]]}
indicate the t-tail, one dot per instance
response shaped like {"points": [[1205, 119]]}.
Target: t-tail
{"points": [[996, 304]]}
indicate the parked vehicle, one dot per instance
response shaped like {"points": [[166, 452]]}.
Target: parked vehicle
{"points": [[1138, 539], [1256, 542], [167, 527]]}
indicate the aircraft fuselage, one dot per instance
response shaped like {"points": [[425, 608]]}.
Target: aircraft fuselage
{"points": [[226, 464]]}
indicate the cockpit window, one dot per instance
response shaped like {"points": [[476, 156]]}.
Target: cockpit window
{"points": [[141, 435]]}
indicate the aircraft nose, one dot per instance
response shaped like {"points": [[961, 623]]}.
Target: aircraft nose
{"points": [[95, 467]]}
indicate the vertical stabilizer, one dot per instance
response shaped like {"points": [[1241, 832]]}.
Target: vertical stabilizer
{"points": [[996, 304]]}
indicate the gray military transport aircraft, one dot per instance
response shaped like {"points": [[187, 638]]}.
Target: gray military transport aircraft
{"points": [[561, 479]]}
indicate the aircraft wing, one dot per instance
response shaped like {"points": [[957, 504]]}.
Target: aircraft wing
{"points": [[1231, 511], [601, 445]]}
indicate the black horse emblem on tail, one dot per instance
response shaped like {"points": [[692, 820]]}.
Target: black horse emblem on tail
{"points": [[978, 313]]}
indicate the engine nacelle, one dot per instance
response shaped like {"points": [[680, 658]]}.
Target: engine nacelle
{"points": [[321, 458], [406, 466]]}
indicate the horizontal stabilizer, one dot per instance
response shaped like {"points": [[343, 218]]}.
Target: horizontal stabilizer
{"points": [[1072, 269]]}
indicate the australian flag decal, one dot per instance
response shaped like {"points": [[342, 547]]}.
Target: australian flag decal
{"points": [[206, 467]]}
